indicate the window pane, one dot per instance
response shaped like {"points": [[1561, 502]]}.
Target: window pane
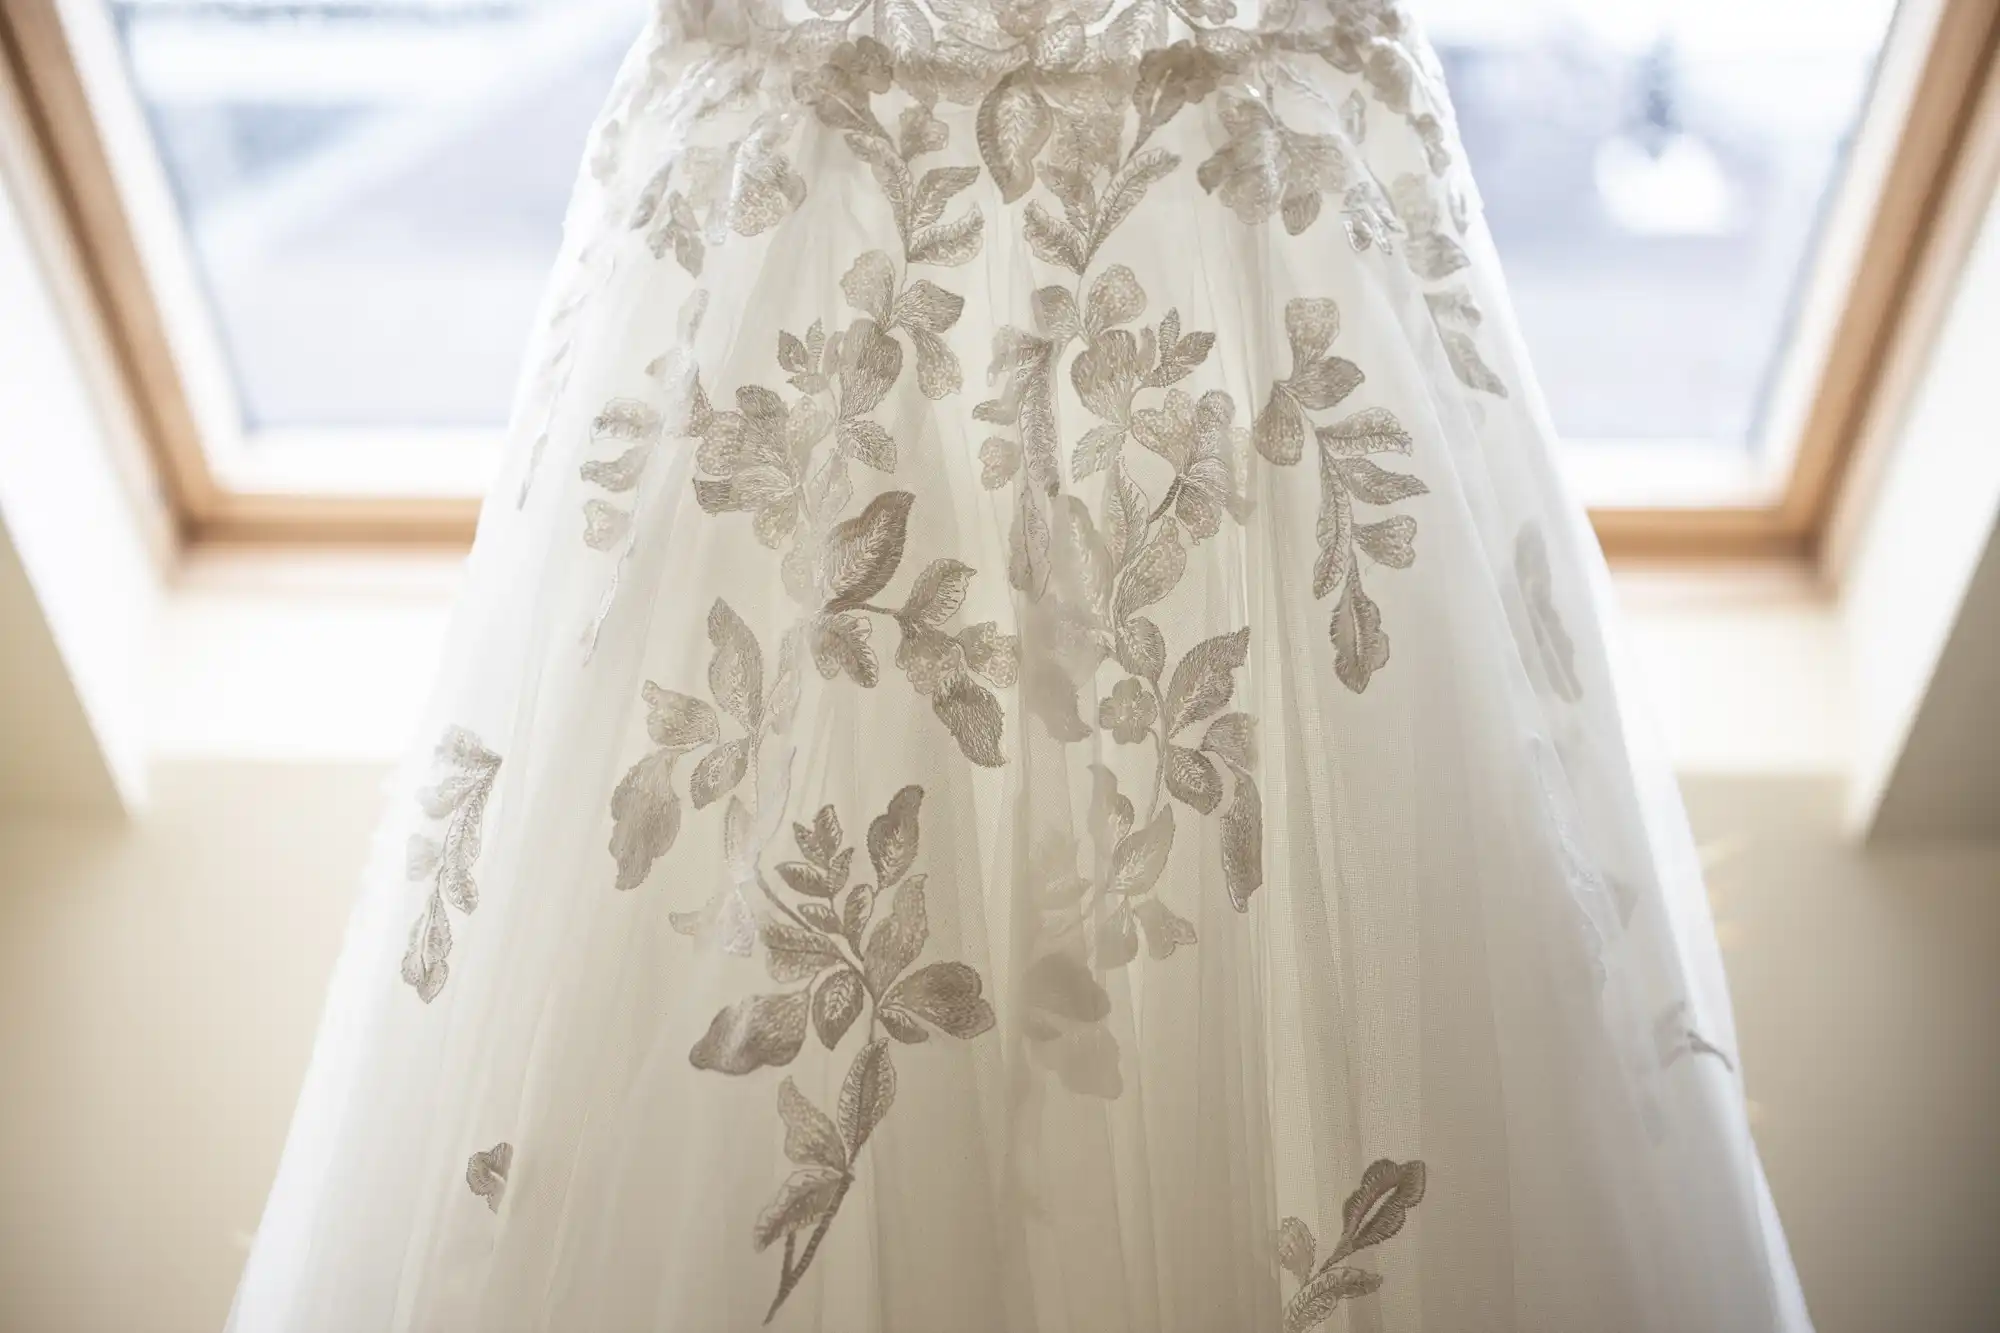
{"points": [[1654, 172], [374, 189]]}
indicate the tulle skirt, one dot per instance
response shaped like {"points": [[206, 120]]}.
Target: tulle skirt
{"points": [[1029, 743]]}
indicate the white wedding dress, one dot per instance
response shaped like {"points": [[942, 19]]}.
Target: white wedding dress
{"points": [[1029, 744]]}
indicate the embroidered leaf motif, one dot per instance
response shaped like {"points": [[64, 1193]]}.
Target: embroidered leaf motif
{"points": [[1266, 168], [946, 995], [1129, 187], [736, 670], [1124, 514], [1012, 125], [974, 718], [1434, 255], [840, 646], [1107, 372], [486, 1173], [718, 773], [1137, 862], [898, 938], [860, 555], [870, 285], [938, 593], [1192, 778], [1153, 573], [1374, 1213], [949, 244], [1373, 431], [866, 1095], [1324, 383], [927, 305], [678, 721], [870, 361], [808, 1196], [1296, 1248], [820, 917], [446, 861], [1311, 324], [1243, 843], [1558, 651], [646, 818], [892, 837], [810, 1136], [1360, 647], [1390, 542], [840, 90], [821, 844], [1056, 313], [1466, 363], [1232, 738], [1280, 430], [1115, 298], [794, 953], [855, 914], [1117, 938], [1141, 648], [1205, 679], [999, 460], [936, 190], [723, 924], [1179, 356], [1096, 451], [1052, 240], [990, 653], [907, 32], [1378, 1206], [836, 1004], [938, 372], [1370, 484], [752, 1033], [1164, 931], [1169, 78], [1315, 1301]]}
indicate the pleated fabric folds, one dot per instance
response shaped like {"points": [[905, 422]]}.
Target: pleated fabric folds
{"points": [[1030, 742]]}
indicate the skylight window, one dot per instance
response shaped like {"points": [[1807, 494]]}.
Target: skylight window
{"points": [[344, 212], [372, 192], [1655, 173]]}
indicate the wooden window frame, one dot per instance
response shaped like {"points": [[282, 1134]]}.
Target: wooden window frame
{"points": [[1899, 226]]}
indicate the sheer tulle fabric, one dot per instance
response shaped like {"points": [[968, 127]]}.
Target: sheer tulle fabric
{"points": [[1029, 744]]}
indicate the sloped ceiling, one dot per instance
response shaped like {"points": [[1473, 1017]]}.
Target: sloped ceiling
{"points": [[49, 757]]}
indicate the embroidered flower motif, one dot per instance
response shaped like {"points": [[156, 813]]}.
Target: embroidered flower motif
{"points": [[1129, 712], [1200, 442], [1266, 168], [755, 458]]}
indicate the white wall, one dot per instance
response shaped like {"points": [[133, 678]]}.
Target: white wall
{"points": [[160, 982], [159, 985], [1867, 993]]}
